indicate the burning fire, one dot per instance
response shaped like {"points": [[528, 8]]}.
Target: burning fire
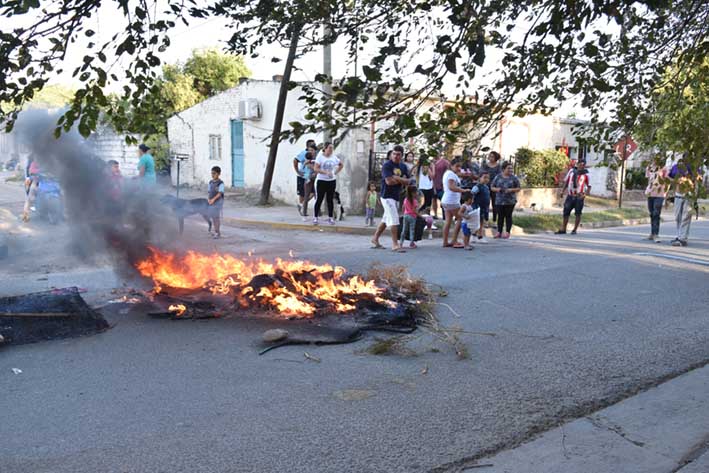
{"points": [[178, 309], [291, 287]]}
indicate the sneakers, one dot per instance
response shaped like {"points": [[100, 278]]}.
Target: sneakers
{"points": [[573, 232], [497, 235], [678, 242], [482, 241], [305, 218], [315, 220], [560, 232], [413, 245], [330, 221], [651, 237], [506, 236], [430, 235], [434, 227]]}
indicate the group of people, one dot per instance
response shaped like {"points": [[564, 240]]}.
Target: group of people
{"points": [[659, 179], [316, 169], [464, 195]]}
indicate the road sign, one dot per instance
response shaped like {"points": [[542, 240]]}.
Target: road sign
{"points": [[629, 145]]}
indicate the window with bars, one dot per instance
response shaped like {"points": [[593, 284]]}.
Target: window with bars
{"points": [[215, 147]]}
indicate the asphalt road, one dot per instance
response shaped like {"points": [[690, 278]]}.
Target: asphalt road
{"points": [[574, 323]]}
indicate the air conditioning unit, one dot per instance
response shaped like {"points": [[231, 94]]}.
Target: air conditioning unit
{"points": [[249, 109]]}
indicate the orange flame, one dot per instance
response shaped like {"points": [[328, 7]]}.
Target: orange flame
{"points": [[178, 309], [295, 292]]}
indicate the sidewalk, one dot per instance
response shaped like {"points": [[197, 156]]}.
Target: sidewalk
{"points": [[662, 430], [287, 218]]}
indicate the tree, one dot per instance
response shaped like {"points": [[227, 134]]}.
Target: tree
{"points": [[52, 96], [677, 119], [540, 167], [610, 55], [204, 74]]}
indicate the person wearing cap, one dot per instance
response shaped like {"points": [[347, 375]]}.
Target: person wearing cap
{"points": [[577, 183], [146, 166]]}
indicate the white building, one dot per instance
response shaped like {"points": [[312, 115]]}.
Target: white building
{"points": [[548, 132], [232, 130]]}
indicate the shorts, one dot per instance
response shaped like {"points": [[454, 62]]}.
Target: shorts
{"points": [[450, 207], [573, 203], [466, 229], [215, 211], [300, 186], [484, 214], [439, 194], [391, 212]]}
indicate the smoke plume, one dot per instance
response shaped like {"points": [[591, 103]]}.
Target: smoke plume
{"points": [[97, 229]]}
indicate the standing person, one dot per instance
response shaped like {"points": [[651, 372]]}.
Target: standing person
{"points": [[115, 189], [506, 186], [371, 204], [31, 185], [146, 167], [681, 174], [450, 202], [215, 199], [410, 215], [656, 191], [493, 168], [298, 167], [394, 176], [309, 179], [409, 162], [576, 181], [481, 200], [439, 168], [425, 174], [327, 167]]}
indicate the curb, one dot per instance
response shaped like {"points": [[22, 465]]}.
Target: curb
{"points": [[350, 230], [299, 226]]}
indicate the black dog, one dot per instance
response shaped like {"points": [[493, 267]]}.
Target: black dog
{"points": [[186, 207], [339, 208]]}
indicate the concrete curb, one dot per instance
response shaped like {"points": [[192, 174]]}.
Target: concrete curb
{"points": [[339, 228], [352, 230]]}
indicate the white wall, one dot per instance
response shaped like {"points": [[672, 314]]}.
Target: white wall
{"points": [[188, 133], [108, 144]]}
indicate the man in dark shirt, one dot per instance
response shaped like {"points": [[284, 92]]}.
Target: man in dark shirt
{"points": [[395, 175]]}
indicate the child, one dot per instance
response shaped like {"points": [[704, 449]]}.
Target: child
{"points": [[481, 200], [215, 198], [410, 207], [372, 198], [471, 218]]}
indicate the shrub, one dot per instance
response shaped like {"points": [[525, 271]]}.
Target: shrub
{"points": [[635, 179], [540, 167]]}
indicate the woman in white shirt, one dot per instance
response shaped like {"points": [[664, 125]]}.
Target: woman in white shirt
{"points": [[451, 204], [326, 167]]}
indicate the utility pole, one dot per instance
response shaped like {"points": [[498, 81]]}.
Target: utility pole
{"points": [[327, 71], [622, 170], [278, 121]]}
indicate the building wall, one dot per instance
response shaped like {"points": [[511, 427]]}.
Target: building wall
{"points": [[189, 131], [108, 145]]}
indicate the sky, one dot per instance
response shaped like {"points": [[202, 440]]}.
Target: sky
{"points": [[213, 33]]}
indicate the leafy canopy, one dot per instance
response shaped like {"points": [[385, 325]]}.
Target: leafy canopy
{"points": [[609, 55]]}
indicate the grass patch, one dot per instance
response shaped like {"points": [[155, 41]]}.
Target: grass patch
{"points": [[15, 178], [552, 222]]}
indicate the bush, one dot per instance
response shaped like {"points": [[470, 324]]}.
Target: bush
{"points": [[540, 167], [635, 179]]}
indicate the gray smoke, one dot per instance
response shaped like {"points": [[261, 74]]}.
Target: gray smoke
{"points": [[96, 230]]}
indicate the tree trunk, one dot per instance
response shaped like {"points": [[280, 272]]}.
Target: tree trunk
{"points": [[278, 121]]}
